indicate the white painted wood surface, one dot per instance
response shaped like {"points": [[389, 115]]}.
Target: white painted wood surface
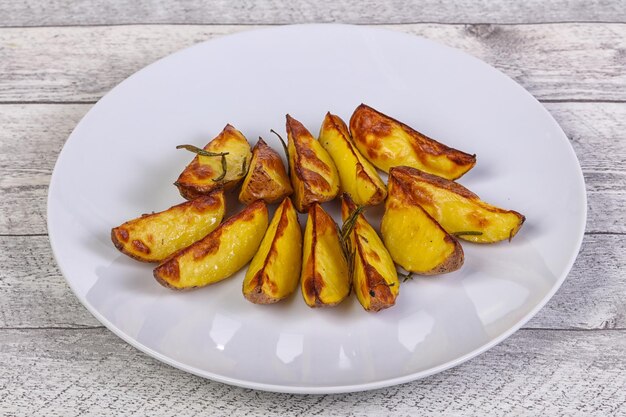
{"points": [[58, 57]]}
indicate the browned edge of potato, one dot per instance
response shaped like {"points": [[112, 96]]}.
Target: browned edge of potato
{"points": [[267, 178], [314, 176], [387, 142], [154, 237]]}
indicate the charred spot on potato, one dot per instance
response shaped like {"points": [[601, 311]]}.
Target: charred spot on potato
{"points": [[140, 246], [168, 271], [122, 234], [207, 202], [207, 247]]}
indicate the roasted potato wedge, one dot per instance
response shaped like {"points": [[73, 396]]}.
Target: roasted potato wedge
{"points": [[374, 275], [457, 209], [218, 255], [387, 142], [325, 278], [154, 237], [357, 176], [274, 272], [313, 173], [206, 173], [267, 178], [414, 239]]}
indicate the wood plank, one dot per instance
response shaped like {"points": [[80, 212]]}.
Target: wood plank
{"points": [[34, 294], [552, 61], [70, 373], [91, 12], [32, 135]]}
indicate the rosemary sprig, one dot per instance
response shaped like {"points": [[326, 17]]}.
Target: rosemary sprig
{"points": [[406, 276], [467, 233], [285, 149], [350, 222], [224, 167], [344, 238], [200, 151]]}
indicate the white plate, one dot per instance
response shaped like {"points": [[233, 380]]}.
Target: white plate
{"points": [[120, 161]]}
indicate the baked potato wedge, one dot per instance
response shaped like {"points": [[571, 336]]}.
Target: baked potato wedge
{"points": [[374, 275], [357, 175], [220, 254], [206, 173], [154, 237], [267, 178], [313, 173], [274, 272], [387, 142], [457, 209], [325, 277], [413, 238]]}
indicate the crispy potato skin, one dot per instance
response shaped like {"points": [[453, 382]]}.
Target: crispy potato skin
{"points": [[414, 239], [373, 271], [357, 176], [274, 272], [154, 237], [267, 178], [387, 142], [325, 279], [457, 209], [313, 173], [199, 176], [220, 254]]}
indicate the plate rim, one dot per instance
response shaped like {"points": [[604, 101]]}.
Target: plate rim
{"points": [[326, 389]]}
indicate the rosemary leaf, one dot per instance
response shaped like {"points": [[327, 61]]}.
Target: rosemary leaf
{"points": [[200, 151], [244, 168], [224, 167], [285, 149]]}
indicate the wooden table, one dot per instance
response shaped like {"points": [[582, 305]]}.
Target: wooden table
{"points": [[59, 59]]}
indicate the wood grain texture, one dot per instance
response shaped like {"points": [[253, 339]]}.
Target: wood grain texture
{"points": [[80, 64], [33, 294], [92, 372], [92, 12], [32, 136]]}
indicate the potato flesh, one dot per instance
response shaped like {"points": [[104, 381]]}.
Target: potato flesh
{"points": [[220, 254], [313, 173], [374, 271], [267, 178], [325, 278], [154, 237], [460, 211], [414, 239], [357, 176], [274, 272], [386, 143], [199, 177]]}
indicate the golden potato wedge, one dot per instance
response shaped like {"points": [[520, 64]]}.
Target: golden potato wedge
{"points": [[220, 254], [274, 272], [374, 275], [387, 142], [325, 277], [267, 178], [457, 209], [357, 176], [206, 173], [313, 173], [154, 237], [414, 239]]}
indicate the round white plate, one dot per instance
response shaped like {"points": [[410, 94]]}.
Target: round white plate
{"points": [[120, 162]]}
